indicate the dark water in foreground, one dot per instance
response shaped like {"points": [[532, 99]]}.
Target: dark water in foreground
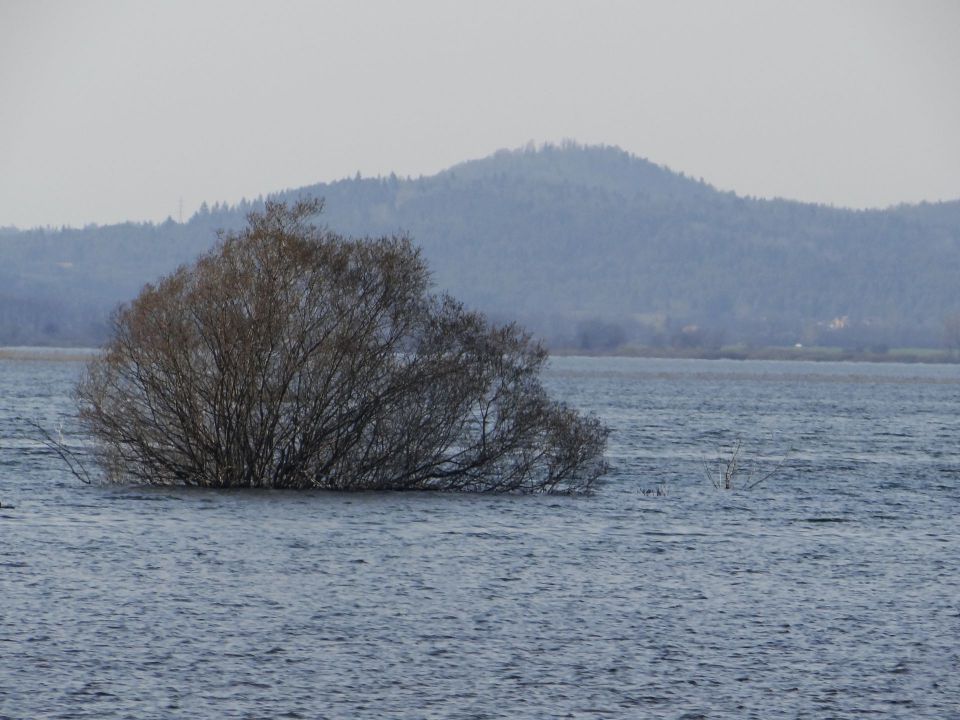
{"points": [[832, 591]]}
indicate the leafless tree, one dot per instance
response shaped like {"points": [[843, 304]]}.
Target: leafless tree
{"points": [[292, 357]]}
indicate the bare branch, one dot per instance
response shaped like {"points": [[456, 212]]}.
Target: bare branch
{"points": [[70, 459], [728, 468]]}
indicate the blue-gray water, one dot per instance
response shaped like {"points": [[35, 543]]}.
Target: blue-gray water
{"points": [[831, 591]]}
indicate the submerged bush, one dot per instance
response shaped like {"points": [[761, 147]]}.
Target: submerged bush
{"points": [[292, 357]]}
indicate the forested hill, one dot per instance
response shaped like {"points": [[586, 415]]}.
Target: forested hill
{"points": [[590, 246]]}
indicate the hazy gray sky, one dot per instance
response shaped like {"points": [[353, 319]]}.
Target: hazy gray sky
{"points": [[116, 110]]}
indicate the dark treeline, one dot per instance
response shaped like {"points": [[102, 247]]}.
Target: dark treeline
{"points": [[589, 246]]}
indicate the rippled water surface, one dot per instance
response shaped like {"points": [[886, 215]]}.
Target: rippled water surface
{"points": [[832, 590]]}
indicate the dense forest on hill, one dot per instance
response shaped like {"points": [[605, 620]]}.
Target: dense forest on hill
{"points": [[590, 246]]}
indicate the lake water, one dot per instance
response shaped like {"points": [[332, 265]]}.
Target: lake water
{"points": [[832, 590]]}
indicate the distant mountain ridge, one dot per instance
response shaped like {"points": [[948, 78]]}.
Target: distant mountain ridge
{"points": [[590, 246], [604, 167]]}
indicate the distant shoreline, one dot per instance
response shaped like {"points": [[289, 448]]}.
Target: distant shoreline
{"points": [[806, 354], [55, 354]]}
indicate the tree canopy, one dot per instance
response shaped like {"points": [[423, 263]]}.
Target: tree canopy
{"points": [[292, 357]]}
